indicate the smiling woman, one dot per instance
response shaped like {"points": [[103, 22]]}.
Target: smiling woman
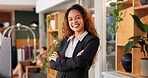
{"points": [[77, 50], [75, 21]]}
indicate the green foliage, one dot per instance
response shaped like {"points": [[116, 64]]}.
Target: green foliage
{"points": [[112, 4], [45, 65], [141, 40], [44, 61], [50, 50], [54, 34], [116, 14], [120, 5], [55, 44], [141, 26], [31, 58], [53, 47]]}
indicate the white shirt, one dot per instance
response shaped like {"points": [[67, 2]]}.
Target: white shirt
{"points": [[71, 47], [0, 38]]}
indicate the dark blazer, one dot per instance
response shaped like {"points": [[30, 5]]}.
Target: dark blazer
{"points": [[77, 66]]}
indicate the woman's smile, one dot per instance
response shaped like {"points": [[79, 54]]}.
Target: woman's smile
{"points": [[75, 25]]}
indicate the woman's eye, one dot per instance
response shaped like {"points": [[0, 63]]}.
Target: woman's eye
{"points": [[78, 17], [69, 19]]}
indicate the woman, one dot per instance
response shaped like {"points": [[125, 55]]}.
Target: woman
{"points": [[21, 66], [77, 50]]}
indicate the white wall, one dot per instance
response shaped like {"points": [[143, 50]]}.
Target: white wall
{"points": [[46, 4], [18, 2], [100, 23]]}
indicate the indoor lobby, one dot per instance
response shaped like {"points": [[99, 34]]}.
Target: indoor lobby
{"points": [[28, 26]]}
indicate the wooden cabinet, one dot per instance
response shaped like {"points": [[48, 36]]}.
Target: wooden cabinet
{"points": [[127, 29], [54, 22], [24, 42]]}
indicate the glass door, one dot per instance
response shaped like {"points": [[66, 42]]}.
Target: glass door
{"points": [[110, 39]]}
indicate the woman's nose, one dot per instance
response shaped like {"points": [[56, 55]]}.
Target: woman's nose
{"points": [[75, 20]]}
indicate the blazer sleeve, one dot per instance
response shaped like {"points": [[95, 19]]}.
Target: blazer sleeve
{"points": [[66, 64]]}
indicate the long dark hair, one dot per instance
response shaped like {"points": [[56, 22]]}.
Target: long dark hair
{"points": [[45, 48], [88, 22]]}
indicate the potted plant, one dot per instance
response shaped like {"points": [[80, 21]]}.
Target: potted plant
{"points": [[144, 2], [140, 42], [118, 16]]}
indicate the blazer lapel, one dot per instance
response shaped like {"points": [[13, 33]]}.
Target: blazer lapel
{"points": [[77, 48], [64, 48]]}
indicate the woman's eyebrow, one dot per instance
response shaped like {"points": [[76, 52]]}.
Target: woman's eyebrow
{"points": [[69, 17], [75, 16]]}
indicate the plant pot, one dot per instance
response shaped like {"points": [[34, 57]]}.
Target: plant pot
{"points": [[144, 2], [127, 62], [143, 66]]}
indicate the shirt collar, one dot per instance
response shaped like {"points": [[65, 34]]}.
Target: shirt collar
{"points": [[80, 38]]}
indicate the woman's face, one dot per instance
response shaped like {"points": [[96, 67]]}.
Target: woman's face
{"points": [[42, 50], [75, 21]]}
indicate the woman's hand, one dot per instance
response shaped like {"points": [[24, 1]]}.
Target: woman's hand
{"points": [[54, 56], [80, 53]]}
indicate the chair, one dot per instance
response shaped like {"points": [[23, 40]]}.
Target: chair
{"points": [[33, 75], [28, 74]]}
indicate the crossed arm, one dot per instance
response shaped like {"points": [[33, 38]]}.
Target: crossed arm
{"points": [[55, 55], [82, 58]]}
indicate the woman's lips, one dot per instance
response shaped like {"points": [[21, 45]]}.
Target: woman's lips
{"points": [[76, 25]]}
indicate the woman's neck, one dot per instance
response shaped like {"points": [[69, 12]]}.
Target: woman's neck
{"points": [[77, 34]]}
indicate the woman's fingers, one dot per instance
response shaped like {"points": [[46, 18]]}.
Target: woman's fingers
{"points": [[80, 53], [54, 52], [54, 56]]}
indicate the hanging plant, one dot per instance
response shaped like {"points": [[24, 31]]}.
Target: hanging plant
{"points": [[118, 16]]}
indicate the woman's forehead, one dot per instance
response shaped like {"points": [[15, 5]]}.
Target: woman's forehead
{"points": [[74, 13]]}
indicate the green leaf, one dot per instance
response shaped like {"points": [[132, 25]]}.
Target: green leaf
{"points": [[146, 48], [116, 12], [141, 43], [117, 27], [128, 46], [111, 14], [121, 13], [120, 0], [112, 4], [145, 38], [135, 47], [112, 22], [111, 30], [141, 26], [136, 38], [119, 19], [120, 5], [49, 21]]}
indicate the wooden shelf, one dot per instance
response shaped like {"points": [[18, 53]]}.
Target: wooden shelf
{"points": [[58, 17], [141, 7], [127, 29], [122, 45], [56, 30], [132, 75]]}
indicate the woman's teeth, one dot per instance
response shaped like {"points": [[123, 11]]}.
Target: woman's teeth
{"points": [[75, 26]]}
